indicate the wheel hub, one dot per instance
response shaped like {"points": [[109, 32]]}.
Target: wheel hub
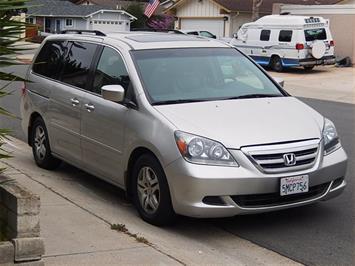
{"points": [[148, 189]]}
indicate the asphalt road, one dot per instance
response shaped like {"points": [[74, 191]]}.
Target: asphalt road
{"points": [[320, 234]]}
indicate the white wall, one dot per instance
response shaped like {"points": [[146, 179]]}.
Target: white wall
{"points": [[196, 8]]}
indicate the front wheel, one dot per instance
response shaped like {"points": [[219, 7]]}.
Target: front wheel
{"points": [[151, 191], [276, 64], [40, 146]]}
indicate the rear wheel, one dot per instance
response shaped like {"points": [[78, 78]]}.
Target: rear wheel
{"points": [[308, 68], [151, 191], [276, 64], [40, 146]]}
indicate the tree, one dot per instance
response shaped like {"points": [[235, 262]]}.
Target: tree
{"points": [[137, 10], [10, 32], [255, 9]]}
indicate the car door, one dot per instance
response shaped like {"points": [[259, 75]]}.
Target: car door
{"points": [[66, 101], [103, 121]]}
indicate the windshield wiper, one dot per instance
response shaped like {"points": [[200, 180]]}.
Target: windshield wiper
{"points": [[180, 101], [255, 95]]}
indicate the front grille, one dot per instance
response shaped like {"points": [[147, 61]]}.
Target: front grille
{"points": [[274, 199], [270, 158]]}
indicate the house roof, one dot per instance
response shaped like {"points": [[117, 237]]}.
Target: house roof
{"points": [[61, 8], [115, 4], [266, 7]]}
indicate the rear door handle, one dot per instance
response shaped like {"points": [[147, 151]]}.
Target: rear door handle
{"points": [[89, 107], [74, 101]]}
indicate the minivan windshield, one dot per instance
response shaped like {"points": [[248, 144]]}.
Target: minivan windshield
{"points": [[315, 34], [200, 74]]}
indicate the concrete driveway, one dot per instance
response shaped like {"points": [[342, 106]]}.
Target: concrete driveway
{"points": [[325, 83]]}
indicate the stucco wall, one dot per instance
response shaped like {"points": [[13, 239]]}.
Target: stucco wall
{"points": [[237, 20]]}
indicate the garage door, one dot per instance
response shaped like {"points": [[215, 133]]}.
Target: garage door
{"points": [[215, 26], [109, 25]]}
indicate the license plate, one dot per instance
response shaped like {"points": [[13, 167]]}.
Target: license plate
{"points": [[294, 185]]}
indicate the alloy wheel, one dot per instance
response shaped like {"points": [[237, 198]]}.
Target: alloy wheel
{"points": [[148, 190]]}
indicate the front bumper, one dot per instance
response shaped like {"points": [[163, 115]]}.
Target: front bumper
{"points": [[327, 60], [190, 184]]}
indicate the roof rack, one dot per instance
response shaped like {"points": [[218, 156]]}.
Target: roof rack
{"points": [[94, 32]]}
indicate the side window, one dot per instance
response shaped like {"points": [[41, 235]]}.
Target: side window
{"points": [[206, 34], [285, 36], [265, 35], [110, 70], [77, 64], [50, 59], [192, 33]]}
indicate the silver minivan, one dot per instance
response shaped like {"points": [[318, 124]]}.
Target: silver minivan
{"points": [[185, 125]]}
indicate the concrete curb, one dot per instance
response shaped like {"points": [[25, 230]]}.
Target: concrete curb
{"points": [[19, 219]]}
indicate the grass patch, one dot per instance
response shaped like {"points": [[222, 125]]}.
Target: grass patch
{"points": [[122, 228]]}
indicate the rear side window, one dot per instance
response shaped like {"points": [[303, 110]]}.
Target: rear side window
{"points": [[315, 34], [285, 36], [265, 35], [110, 70], [50, 59], [77, 63]]}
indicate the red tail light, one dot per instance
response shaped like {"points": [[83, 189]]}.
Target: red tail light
{"points": [[299, 46], [332, 43]]}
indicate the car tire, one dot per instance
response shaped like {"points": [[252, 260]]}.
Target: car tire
{"points": [[40, 146], [276, 64], [308, 68], [151, 193]]}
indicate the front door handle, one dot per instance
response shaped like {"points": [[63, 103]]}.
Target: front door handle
{"points": [[74, 101], [89, 107]]}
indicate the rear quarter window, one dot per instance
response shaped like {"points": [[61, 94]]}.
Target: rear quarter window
{"points": [[285, 36], [49, 61]]}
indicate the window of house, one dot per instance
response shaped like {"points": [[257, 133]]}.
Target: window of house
{"points": [[77, 64], [68, 22], [50, 59], [265, 35], [285, 36], [30, 20], [110, 70]]}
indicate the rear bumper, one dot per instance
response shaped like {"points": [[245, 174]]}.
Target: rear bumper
{"points": [[327, 60], [190, 184]]}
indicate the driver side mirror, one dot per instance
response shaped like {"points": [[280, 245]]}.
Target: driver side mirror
{"points": [[113, 93]]}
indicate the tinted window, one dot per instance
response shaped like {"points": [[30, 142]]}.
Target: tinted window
{"points": [[110, 70], [193, 33], [315, 34], [77, 63], [265, 35], [285, 36], [49, 60]]}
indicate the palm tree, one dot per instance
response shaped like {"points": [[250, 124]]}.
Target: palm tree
{"points": [[10, 34]]}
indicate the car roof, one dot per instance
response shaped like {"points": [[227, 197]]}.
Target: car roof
{"points": [[146, 40]]}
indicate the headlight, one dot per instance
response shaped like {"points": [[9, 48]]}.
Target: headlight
{"points": [[196, 149], [330, 137]]}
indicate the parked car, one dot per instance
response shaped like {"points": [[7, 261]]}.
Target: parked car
{"points": [[283, 41], [203, 33], [185, 125]]}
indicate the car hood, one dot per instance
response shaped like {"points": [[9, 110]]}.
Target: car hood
{"points": [[243, 122]]}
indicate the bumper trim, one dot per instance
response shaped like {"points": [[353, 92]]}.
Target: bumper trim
{"points": [[286, 205]]}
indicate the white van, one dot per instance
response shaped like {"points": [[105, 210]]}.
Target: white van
{"points": [[282, 41]]}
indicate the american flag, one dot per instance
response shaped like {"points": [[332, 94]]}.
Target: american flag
{"points": [[152, 5]]}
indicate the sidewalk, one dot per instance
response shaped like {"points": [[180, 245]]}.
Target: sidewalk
{"points": [[78, 210]]}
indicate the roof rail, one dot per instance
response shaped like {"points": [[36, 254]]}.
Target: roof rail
{"points": [[95, 32], [157, 30]]}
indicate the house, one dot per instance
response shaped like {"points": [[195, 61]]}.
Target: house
{"points": [[53, 16], [112, 4], [221, 17]]}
